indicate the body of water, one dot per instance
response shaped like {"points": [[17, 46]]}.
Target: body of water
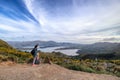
{"points": [[71, 52]]}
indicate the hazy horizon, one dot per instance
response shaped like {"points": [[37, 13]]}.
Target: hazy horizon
{"points": [[60, 41], [76, 21]]}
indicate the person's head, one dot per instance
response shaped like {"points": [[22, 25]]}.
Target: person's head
{"points": [[36, 45]]}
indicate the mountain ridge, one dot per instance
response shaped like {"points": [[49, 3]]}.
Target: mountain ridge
{"points": [[19, 44]]}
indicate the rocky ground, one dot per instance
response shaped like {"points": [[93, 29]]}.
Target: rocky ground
{"points": [[47, 72]]}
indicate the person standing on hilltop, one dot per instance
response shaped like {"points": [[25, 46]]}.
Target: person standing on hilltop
{"points": [[34, 52]]}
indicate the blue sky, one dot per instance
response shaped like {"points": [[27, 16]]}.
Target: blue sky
{"points": [[77, 21]]}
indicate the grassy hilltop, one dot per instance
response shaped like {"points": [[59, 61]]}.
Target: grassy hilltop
{"points": [[111, 66]]}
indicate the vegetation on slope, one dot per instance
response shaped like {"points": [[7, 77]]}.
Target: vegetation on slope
{"points": [[87, 65], [4, 44], [9, 53]]}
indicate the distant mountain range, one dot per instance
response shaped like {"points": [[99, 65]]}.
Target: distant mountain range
{"points": [[42, 44], [100, 47]]}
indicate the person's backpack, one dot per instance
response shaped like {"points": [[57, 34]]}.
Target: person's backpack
{"points": [[33, 51], [37, 61]]}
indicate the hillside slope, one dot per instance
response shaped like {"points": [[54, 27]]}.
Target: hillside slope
{"points": [[8, 53], [47, 72], [4, 44]]}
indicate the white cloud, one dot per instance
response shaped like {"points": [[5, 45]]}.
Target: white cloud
{"points": [[17, 28], [100, 16], [9, 28], [83, 22]]}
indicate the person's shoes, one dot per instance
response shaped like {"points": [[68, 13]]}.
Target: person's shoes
{"points": [[34, 65]]}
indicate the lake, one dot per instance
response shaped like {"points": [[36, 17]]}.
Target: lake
{"points": [[70, 52]]}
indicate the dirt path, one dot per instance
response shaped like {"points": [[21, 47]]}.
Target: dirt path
{"points": [[47, 72]]}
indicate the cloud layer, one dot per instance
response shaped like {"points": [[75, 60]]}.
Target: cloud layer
{"points": [[81, 21]]}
